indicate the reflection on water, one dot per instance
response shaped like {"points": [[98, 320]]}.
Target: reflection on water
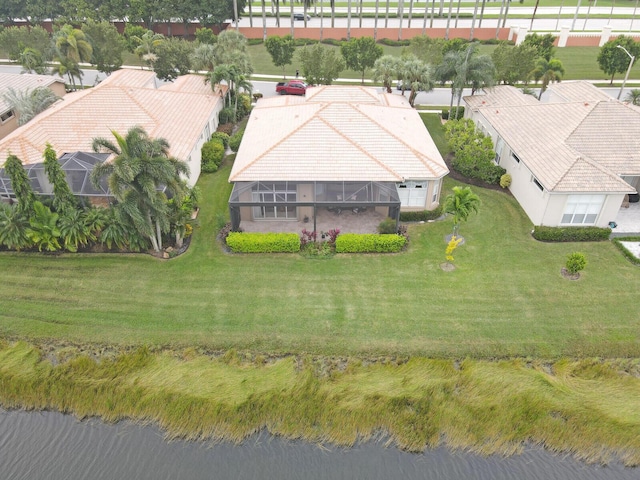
{"points": [[53, 446]]}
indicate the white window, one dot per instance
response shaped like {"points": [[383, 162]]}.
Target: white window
{"points": [[274, 193], [413, 193], [515, 157], [6, 116], [537, 183], [436, 191], [499, 147], [582, 209]]}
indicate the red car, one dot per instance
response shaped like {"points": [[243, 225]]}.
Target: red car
{"points": [[293, 87]]}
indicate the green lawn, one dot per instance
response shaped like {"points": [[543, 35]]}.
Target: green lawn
{"points": [[505, 298]]}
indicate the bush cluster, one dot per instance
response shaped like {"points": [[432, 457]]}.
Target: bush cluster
{"points": [[223, 137], [446, 114], [421, 215], [241, 242], [394, 43], [333, 42], [254, 41], [212, 155], [388, 225], [571, 234], [369, 243], [235, 140], [301, 42], [227, 115]]}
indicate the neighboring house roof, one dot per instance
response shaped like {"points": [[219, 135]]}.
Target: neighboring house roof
{"points": [[125, 99], [336, 133], [20, 82], [576, 146], [501, 95], [578, 91]]}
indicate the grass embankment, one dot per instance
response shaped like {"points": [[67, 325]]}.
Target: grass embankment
{"points": [[506, 297], [588, 408]]}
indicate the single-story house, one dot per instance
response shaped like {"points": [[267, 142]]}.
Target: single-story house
{"points": [[338, 148], [185, 113], [574, 159], [21, 83]]}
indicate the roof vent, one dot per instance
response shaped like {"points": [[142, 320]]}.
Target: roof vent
{"points": [[497, 111], [586, 104]]}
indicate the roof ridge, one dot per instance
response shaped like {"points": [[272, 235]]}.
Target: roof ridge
{"points": [[273, 146], [357, 145], [418, 154]]}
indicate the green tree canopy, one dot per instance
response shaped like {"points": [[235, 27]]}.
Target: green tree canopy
{"points": [[281, 50], [461, 203], [107, 45], [612, 59], [361, 53], [63, 198], [173, 58], [13, 40], [20, 185], [136, 177], [514, 64], [416, 74], [542, 43], [548, 71], [387, 68], [320, 65]]}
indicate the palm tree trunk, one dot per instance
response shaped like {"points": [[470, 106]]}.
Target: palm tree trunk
{"points": [[584, 27], [473, 21], [433, 12], [321, 19], [559, 14], [264, 20], [401, 17], [533, 16], [484, 2], [348, 20], [575, 16], [375, 22], [386, 16], [250, 14], [158, 235], [277, 13], [446, 35], [360, 13], [333, 13], [506, 13], [235, 13], [457, 14], [424, 19], [633, 17], [500, 17], [410, 13]]}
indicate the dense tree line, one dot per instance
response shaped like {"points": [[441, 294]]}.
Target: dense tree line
{"points": [[148, 12]]}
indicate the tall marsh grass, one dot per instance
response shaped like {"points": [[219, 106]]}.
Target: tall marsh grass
{"points": [[589, 408]]}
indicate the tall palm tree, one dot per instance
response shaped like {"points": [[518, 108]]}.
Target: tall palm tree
{"points": [[401, 17], [446, 35], [465, 68], [417, 75], [141, 168], [332, 3], [146, 46], [548, 71], [32, 61], [473, 20], [533, 15], [386, 68], [348, 20], [375, 22], [386, 16], [461, 203], [264, 20], [410, 13], [72, 48], [204, 57]]}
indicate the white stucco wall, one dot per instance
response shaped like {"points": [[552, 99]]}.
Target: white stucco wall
{"points": [[195, 157]]}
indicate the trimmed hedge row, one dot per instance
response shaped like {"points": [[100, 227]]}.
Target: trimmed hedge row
{"points": [[630, 256], [421, 215], [571, 234], [369, 243], [241, 242]]}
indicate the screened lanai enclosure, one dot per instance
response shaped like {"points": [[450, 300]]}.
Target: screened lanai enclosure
{"points": [[77, 167], [356, 207]]}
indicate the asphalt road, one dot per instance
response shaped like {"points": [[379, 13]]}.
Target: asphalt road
{"points": [[439, 96]]}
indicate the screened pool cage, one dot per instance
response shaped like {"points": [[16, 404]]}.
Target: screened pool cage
{"points": [[296, 200], [77, 166]]}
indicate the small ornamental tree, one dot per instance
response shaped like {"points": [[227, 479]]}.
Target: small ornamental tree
{"points": [[612, 59], [576, 262], [63, 198], [20, 184], [281, 50], [361, 53]]}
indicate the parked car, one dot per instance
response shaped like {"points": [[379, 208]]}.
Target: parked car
{"points": [[294, 87], [300, 16]]}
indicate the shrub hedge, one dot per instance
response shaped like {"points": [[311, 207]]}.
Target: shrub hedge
{"points": [[571, 234], [422, 215], [241, 242], [235, 140], [223, 137], [212, 155], [630, 256], [369, 243]]}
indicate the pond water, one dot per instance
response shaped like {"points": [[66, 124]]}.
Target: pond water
{"points": [[52, 446]]}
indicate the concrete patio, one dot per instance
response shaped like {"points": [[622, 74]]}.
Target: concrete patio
{"points": [[628, 220], [347, 222]]}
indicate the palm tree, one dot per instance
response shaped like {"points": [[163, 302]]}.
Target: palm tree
{"points": [[13, 227], [63, 198], [473, 20], [633, 96], [74, 229], [136, 176], [410, 13], [32, 61], [146, 46], [264, 20], [28, 103], [348, 20], [417, 74], [204, 57], [20, 184], [465, 68], [375, 22], [43, 229], [533, 15], [386, 68], [72, 48], [548, 71], [386, 16], [461, 203]]}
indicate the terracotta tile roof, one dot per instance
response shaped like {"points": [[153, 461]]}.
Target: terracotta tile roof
{"points": [[336, 133], [20, 82], [574, 146], [125, 99]]}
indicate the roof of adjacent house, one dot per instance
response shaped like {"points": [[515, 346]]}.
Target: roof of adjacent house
{"points": [[336, 133], [21, 82], [176, 112], [569, 146]]}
